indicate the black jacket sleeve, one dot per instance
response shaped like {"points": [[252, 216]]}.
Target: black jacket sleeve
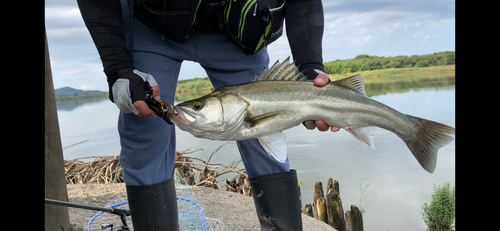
{"points": [[304, 29], [103, 19]]}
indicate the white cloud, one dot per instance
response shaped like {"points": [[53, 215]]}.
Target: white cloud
{"points": [[62, 13], [367, 38], [427, 37], [375, 27]]}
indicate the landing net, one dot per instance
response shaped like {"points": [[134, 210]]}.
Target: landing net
{"points": [[191, 215]]}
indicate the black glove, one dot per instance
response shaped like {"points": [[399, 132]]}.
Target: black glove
{"points": [[131, 86]]}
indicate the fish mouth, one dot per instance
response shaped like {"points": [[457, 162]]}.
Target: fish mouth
{"points": [[181, 116]]}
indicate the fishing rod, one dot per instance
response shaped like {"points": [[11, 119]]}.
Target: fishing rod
{"points": [[123, 213]]}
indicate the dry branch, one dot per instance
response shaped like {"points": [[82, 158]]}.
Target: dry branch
{"points": [[107, 169]]}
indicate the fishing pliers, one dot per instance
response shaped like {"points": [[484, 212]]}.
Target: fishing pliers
{"points": [[160, 107]]}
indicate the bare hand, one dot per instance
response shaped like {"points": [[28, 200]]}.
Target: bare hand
{"points": [[143, 108], [320, 81]]}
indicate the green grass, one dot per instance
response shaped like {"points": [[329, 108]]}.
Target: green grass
{"points": [[394, 71], [440, 213], [193, 85], [204, 85]]}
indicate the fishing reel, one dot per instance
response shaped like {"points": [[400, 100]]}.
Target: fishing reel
{"points": [[124, 227]]}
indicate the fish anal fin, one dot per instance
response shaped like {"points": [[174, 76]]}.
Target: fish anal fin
{"points": [[354, 82], [363, 135]]}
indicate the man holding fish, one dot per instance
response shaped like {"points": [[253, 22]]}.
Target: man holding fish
{"points": [[229, 39]]}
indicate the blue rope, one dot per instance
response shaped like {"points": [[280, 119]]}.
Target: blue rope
{"points": [[201, 211], [178, 198]]}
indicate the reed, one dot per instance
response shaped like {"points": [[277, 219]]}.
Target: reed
{"points": [[107, 169], [101, 170]]}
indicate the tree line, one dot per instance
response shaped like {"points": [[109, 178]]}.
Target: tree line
{"points": [[366, 62], [196, 84], [76, 96]]}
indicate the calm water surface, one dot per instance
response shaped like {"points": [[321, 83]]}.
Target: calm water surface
{"points": [[398, 185]]}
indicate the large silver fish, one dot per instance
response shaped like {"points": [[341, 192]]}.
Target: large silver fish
{"points": [[281, 98]]}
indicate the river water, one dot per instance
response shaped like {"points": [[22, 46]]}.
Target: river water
{"points": [[398, 186]]}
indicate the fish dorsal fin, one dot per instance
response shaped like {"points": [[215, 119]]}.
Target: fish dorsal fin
{"points": [[354, 82], [284, 71]]}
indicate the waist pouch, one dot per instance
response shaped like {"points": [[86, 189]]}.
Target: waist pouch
{"points": [[173, 19], [253, 24]]}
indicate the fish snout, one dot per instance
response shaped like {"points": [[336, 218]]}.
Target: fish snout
{"points": [[178, 115]]}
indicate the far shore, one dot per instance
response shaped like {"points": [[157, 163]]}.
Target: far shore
{"points": [[365, 74], [416, 73]]}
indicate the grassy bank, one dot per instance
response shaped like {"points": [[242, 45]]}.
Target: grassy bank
{"points": [[194, 85], [396, 71], [203, 84]]}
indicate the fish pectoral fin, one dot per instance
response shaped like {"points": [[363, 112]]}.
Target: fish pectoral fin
{"points": [[254, 121], [275, 145], [363, 135]]}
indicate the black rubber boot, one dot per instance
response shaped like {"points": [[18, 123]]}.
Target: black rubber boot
{"points": [[153, 207], [276, 198]]}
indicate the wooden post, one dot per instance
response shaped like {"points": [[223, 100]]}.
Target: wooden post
{"points": [[321, 210], [334, 206], [56, 217], [354, 219], [318, 190], [318, 193], [308, 210]]}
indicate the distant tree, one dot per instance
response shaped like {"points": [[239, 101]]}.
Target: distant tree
{"points": [[362, 56], [422, 64], [366, 62]]}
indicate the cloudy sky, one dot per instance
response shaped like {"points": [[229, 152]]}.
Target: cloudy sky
{"points": [[352, 27]]}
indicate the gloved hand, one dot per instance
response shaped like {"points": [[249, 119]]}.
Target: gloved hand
{"points": [[320, 80], [129, 92]]}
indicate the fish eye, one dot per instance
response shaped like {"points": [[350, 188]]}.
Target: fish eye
{"points": [[197, 105]]}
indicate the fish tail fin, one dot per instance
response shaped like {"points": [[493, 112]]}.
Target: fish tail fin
{"points": [[429, 139]]}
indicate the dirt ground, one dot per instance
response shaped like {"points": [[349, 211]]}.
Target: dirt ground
{"points": [[236, 211]]}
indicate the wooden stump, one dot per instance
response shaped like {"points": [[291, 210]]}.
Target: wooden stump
{"points": [[318, 193], [335, 211], [321, 210], [330, 210], [334, 206], [354, 219], [308, 210], [242, 186], [332, 186]]}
